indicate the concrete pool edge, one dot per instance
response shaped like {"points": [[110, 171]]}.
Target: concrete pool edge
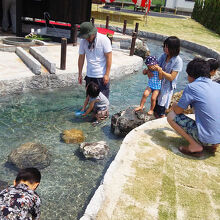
{"points": [[149, 177], [99, 196]]}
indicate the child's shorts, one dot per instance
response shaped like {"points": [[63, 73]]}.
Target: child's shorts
{"points": [[101, 114], [152, 90], [190, 127]]}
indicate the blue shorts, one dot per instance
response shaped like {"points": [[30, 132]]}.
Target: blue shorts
{"points": [[190, 127], [152, 90]]}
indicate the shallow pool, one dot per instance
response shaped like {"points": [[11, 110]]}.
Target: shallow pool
{"points": [[69, 182]]}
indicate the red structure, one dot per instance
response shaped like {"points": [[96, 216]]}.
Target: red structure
{"points": [[143, 3], [52, 18]]}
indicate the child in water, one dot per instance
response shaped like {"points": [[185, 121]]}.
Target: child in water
{"points": [[98, 103], [154, 85]]}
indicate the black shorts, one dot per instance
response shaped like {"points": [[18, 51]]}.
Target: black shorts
{"points": [[159, 110], [105, 89]]}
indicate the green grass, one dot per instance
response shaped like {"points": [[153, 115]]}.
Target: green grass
{"points": [[186, 29]]}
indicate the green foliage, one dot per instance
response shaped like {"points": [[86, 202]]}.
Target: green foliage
{"points": [[37, 37], [207, 12], [109, 35]]}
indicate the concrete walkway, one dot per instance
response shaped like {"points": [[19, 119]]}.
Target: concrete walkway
{"points": [[16, 77], [151, 179]]}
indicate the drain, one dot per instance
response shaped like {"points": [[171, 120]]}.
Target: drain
{"points": [[18, 41]]}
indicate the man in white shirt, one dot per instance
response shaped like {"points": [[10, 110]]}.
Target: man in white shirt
{"points": [[97, 49]]}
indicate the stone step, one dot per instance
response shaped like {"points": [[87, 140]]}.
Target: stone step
{"points": [[33, 64], [43, 59]]}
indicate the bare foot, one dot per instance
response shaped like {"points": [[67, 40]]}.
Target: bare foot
{"points": [[138, 109], [185, 150], [192, 148], [151, 112]]}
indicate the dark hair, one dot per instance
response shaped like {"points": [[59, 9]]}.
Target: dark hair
{"points": [[173, 44], [31, 175], [198, 67], [92, 90], [214, 64]]}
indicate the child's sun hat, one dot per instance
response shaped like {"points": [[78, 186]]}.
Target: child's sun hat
{"points": [[151, 60]]}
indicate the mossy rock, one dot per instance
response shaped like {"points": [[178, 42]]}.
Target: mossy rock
{"points": [[30, 155], [175, 99], [72, 136]]}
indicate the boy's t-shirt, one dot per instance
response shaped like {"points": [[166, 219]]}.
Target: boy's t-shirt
{"points": [[204, 95], [19, 203], [102, 103]]}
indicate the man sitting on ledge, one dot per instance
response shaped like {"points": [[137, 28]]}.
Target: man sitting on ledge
{"points": [[204, 96]]}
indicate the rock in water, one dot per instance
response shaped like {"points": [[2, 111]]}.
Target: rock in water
{"points": [[124, 121], [30, 155], [216, 77], [96, 150], [141, 50], [72, 136], [175, 99]]}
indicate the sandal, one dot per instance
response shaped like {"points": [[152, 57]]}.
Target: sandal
{"points": [[211, 149], [186, 151]]}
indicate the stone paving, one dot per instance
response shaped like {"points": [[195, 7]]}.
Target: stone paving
{"points": [[16, 77], [12, 67], [151, 179]]}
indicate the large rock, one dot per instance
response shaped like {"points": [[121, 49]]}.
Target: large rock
{"points": [[141, 50], [72, 136], [30, 155], [175, 99], [124, 121], [97, 150], [3, 185]]}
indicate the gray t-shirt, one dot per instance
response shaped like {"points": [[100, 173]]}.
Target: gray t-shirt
{"points": [[102, 102]]}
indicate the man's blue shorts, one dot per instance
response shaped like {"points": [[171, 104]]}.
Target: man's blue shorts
{"points": [[190, 127]]}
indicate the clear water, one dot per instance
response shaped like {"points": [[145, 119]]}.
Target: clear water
{"points": [[69, 182]]}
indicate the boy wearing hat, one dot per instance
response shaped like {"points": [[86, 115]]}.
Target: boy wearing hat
{"points": [[154, 85], [97, 49]]}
